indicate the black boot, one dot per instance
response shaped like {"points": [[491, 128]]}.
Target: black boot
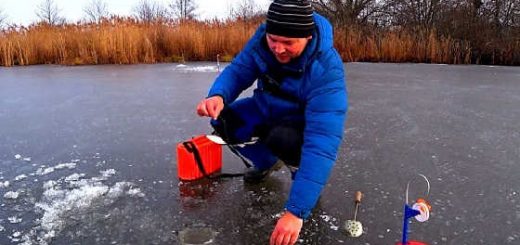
{"points": [[255, 175]]}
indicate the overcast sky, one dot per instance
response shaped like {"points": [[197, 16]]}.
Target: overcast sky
{"points": [[23, 11]]}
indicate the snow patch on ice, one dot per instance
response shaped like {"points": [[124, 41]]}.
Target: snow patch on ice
{"points": [[58, 204], [74, 177], [325, 218], [206, 68], [49, 184], [330, 220], [69, 165], [107, 173], [44, 171], [5, 184], [135, 192], [11, 195], [71, 198], [65, 201], [14, 220], [20, 157], [20, 177]]}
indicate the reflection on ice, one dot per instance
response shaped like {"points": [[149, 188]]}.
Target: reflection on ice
{"points": [[195, 193], [197, 236]]}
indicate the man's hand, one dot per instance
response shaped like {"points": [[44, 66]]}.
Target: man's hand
{"points": [[210, 107], [287, 230]]}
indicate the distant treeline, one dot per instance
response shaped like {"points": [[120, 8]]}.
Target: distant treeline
{"points": [[429, 31], [445, 31]]}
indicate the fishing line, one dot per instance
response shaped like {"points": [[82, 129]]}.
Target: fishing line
{"points": [[408, 187]]}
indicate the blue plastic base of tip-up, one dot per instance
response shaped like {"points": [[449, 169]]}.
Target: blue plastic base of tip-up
{"points": [[408, 213]]}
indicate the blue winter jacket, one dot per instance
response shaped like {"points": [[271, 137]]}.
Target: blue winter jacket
{"points": [[316, 81]]}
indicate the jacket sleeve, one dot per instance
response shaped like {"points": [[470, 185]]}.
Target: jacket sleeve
{"points": [[240, 74], [325, 113]]}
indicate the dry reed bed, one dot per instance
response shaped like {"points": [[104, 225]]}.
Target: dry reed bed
{"points": [[129, 42]]}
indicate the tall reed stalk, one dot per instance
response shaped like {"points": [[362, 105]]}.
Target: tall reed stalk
{"points": [[126, 41]]}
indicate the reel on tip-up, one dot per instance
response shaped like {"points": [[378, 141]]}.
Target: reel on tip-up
{"points": [[420, 210]]}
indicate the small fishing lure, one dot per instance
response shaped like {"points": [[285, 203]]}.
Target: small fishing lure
{"points": [[354, 228]]}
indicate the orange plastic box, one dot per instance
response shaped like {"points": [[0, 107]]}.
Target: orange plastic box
{"points": [[209, 153]]}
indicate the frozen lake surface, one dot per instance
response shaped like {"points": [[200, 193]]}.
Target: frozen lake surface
{"points": [[87, 157]]}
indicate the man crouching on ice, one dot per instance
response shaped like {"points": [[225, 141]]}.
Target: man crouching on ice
{"points": [[297, 110]]}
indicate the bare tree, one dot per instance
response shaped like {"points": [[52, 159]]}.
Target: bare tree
{"points": [[246, 10], [149, 11], [183, 9], [96, 10], [3, 17], [475, 6], [515, 19], [502, 13], [414, 13], [49, 13], [346, 12]]}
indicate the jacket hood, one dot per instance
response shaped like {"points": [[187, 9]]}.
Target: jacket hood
{"points": [[324, 32]]}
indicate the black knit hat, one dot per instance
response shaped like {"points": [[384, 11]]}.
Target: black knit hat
{"points": [[290, 18]]}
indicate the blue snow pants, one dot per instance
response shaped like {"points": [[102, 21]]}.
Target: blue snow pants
{"points": [[242, 120]]}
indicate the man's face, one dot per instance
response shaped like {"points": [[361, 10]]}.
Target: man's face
{"points": [[286, 48]]}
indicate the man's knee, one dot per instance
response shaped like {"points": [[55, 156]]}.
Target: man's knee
{"points": [[285, 141]]}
